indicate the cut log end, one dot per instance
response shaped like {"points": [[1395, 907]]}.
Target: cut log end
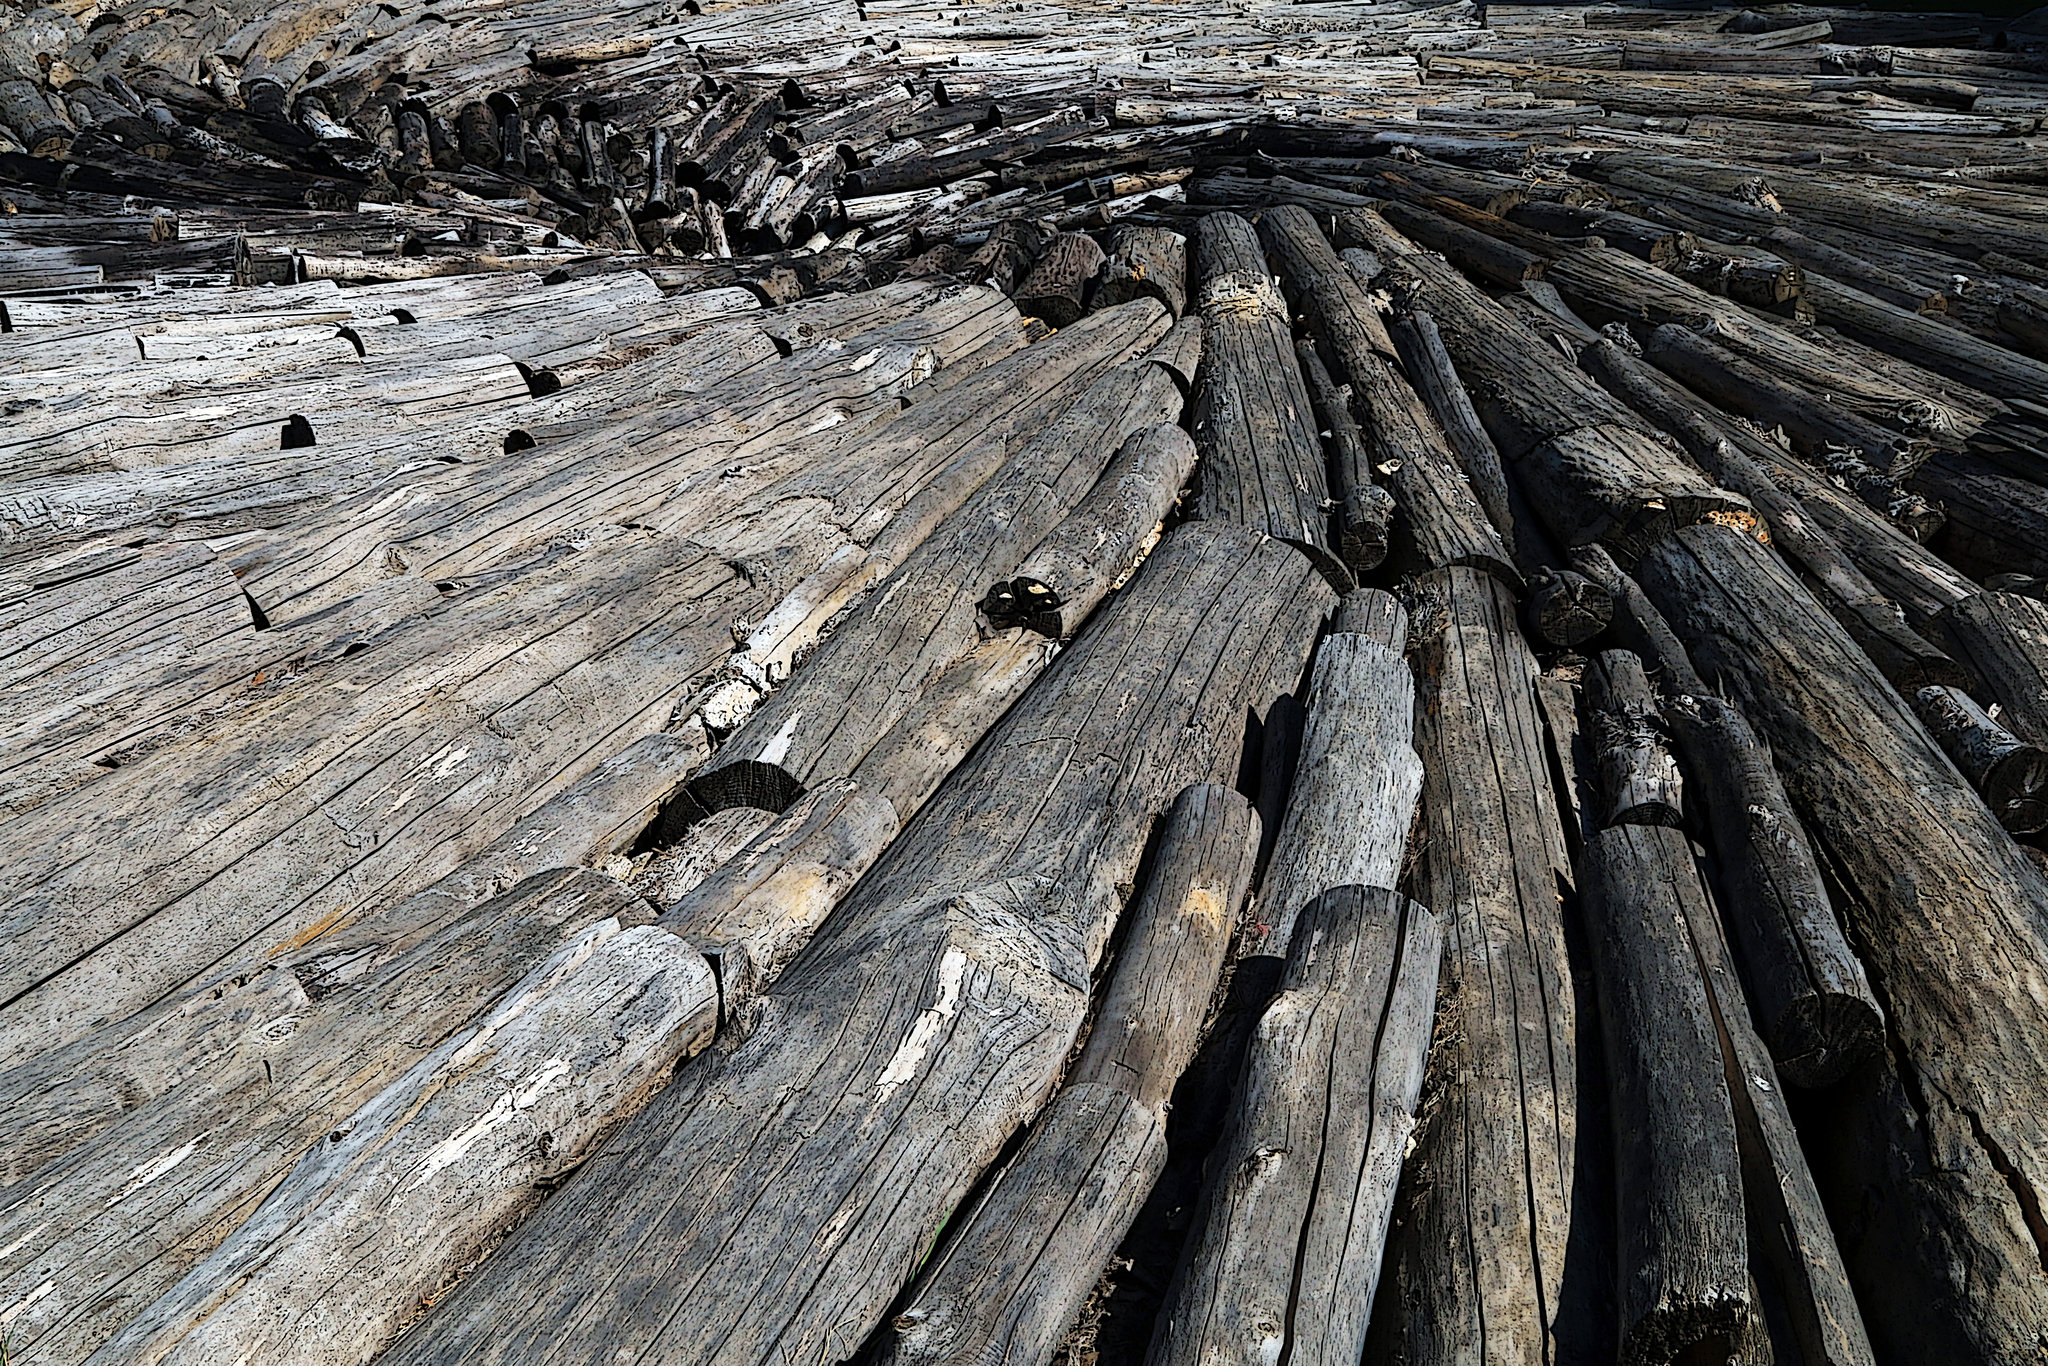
{"points": [[1825, 1037], [1569, 609]]}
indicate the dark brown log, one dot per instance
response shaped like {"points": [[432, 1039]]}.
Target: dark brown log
{"points": [[1365, 517], [1684, 1265], [1057, 288], [2011, 774], [1441, 522], [1656, 243], [1480, 1247], [1929, 911], [1008, 1285], [1146, 261], [1100, 541], [1284, 1260], [1262, 464], [970, 947], [1638, 776], [1469, 249]]}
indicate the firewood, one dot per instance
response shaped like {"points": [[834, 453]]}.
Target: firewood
{"points": [[1286, 1252], [1013, 1277]]}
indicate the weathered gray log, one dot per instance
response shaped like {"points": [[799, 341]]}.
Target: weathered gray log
{"points": [[1483, 1229], [406, 1192], [2010, 774], [962, 960], [1591, 469], [1006, 258], [1684, 1265], [1637, 773], [2006, 637], [1565, 607], [1355, 784], [1009, 1283], [1942, 348], [1065, 575], [1365, 517], [1903, 655], [1285, 1258], [1146, 261], [1930, 913], [1261, 462], [1441, 522], [1057, 288]]}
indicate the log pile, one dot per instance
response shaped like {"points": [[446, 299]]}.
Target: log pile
{"points": [[1040, 682]]}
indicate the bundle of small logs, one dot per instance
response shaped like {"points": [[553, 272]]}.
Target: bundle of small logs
{"points": [[1176, 682]]}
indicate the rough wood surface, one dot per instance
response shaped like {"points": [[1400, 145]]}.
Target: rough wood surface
{"points": [[1637, 772], [2006, 637], [2010, 774], [1285, 1256], [1010, 1282], [1366, 515], [1146, 261]]}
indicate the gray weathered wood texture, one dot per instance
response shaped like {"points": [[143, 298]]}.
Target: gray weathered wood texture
{"points": [[1638, 776]]}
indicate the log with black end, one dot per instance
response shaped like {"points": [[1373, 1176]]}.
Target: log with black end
{"points": [[1262, 464], [776, 1196], [1479, 1250], [1365, 517], [1565, 607], [1441, 522], [1057, 287], [1906, 658], [1066, 574], [2011, 774], [1008, 1285], [1357, 777], [1928, 911], [1590, 469], [1146, 261], [1637, 773], [1285, 1258], [1684, 1291]]}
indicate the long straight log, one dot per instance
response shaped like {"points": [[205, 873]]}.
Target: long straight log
{"points": [[816, 1171], [1286, 1256], [2006, 637], [1357, 779], [1483, 1228], [1932, 913], [1009, 1283], [1261, 462]]}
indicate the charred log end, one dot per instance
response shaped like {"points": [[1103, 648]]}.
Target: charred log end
{"points": [[2016, 790], [1825, 1037], [1569, 609], [744, 782], [1027, 603]]}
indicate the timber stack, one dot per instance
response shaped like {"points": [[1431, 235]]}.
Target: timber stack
{"points": [[1185, 681]]}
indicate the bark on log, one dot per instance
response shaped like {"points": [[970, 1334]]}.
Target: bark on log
{"points": [[1637, 773], [1355, 786], [812, 1193], [1066, 574], [2010, 774], [1366, 515], [406, 1192], [1286, 1256], [1146, 261], [1057, 288], [1684, 1266], [2006, 637], [1261, 462], [1930, 911], [1490, 1204], [1008, 1285]]}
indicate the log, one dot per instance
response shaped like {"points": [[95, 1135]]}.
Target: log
{"points": [[818, 1171], [1938, 346], [1636, 769], [1057, 288], [1100, 542], [1489, 1199], [1356, 780], [1475, 252], [2010, 774], [1441, 522], [2005, 636], [1008, 1285], [1870, 783], [1006, 258], [1684, 1263], [1366, 515], [1261, 462], [1285, 1258], [1146, 261], [406, 1192]]}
